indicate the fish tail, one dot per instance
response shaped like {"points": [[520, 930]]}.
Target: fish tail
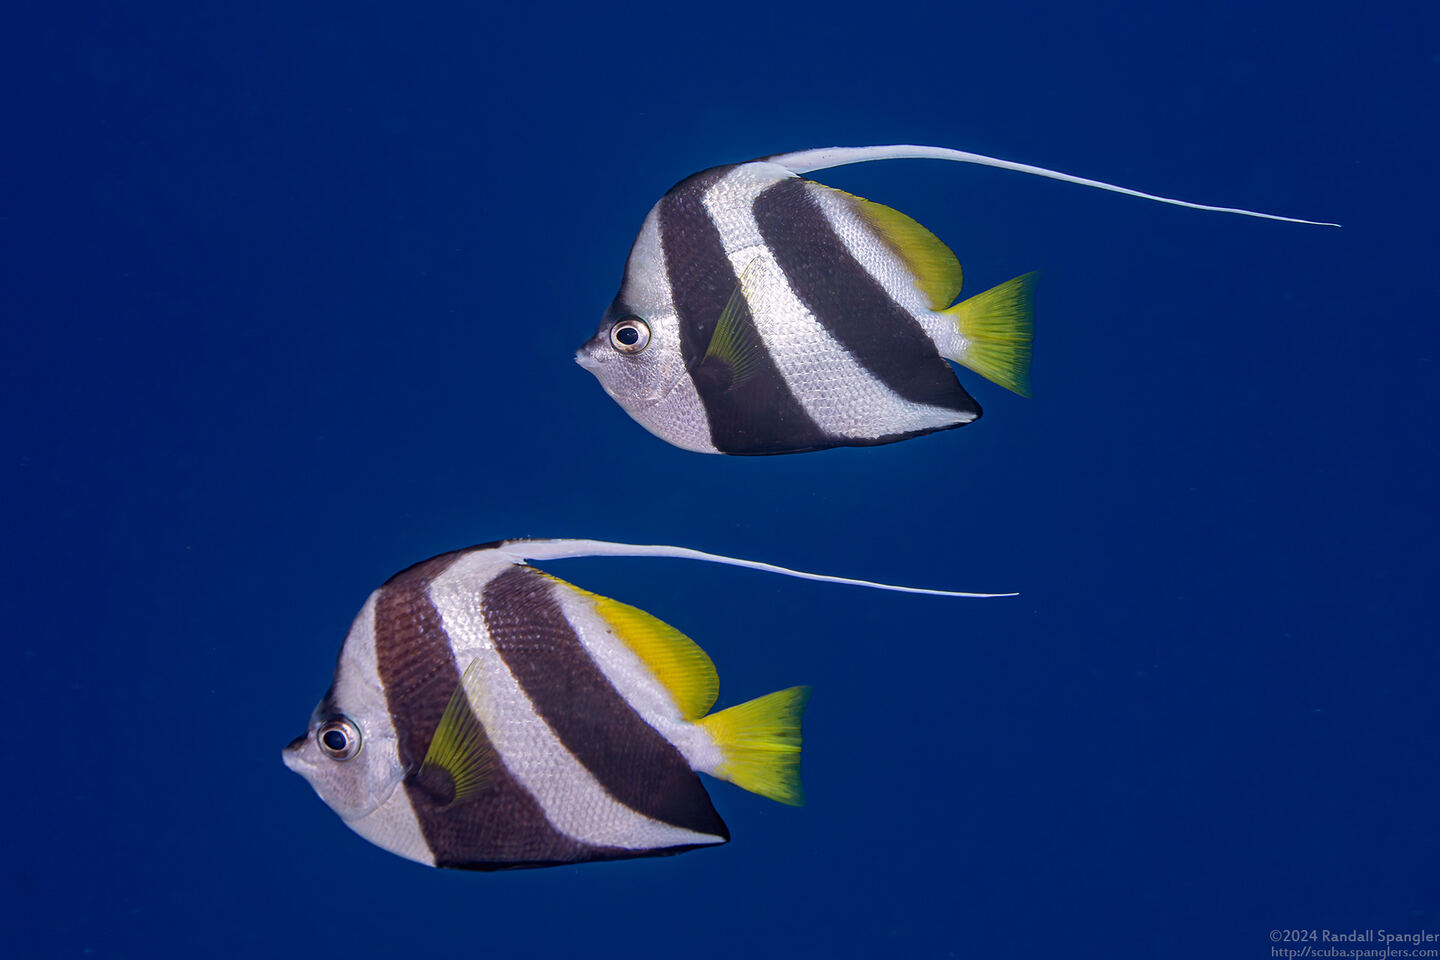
{"points": [[997, 328], [759, 742]]}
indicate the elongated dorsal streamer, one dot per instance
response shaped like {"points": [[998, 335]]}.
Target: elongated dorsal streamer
{"points": [[807, 161], [522, 551]]}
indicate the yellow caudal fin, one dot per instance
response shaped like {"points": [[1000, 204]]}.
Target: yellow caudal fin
{"points": [[998, 326], [760, 743]]}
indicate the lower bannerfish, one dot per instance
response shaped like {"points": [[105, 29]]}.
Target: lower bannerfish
{"points": [[761, 312], [486, 715]]}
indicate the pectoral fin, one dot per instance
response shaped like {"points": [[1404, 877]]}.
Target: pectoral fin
{"points": [[735, 348], [461, 761]]}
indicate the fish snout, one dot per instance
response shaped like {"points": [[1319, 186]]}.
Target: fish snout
{"points": [[587, 357], [293, 754]]}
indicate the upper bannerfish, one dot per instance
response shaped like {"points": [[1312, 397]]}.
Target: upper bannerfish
{"points": [[762, 313]]}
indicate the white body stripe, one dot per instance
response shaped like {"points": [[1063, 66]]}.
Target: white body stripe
{"points": [[574, 802], [879, 260], [892, 273], [836, 390], [647, 284], [634, 681]]}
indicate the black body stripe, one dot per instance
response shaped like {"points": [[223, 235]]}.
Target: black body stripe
{"points": [[503, 826], [759, 415], [635, 764], [850, 303]]}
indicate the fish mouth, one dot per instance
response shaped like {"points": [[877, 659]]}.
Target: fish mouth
{"points": [[293, 756]]}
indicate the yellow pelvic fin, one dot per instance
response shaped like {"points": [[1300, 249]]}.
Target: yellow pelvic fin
{"points": [[937, 271], [998, 327], [760, 743], [735, 341], [677, 662], [460, 747]]}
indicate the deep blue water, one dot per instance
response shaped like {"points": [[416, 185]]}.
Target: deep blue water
{"points": [[290, 293]]}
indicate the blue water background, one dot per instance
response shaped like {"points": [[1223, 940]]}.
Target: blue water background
{"points": [[290, 293]]}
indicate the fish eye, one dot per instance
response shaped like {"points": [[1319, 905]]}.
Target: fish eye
{"points": [[630, 334], [339, 738]]}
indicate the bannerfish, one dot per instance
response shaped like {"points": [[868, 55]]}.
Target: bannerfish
{"points": [[485, 715], [763, 313]]}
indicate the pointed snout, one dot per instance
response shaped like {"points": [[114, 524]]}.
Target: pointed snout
{"points": [[585, 356], [292, 753]]}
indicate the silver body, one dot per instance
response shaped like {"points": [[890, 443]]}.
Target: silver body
{"points": [[837, 391], [826, 379]]}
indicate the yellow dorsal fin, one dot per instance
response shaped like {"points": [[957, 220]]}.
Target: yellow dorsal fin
{"points": [[937, 272], [760, 743], [459, 747], [677, 662]]}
